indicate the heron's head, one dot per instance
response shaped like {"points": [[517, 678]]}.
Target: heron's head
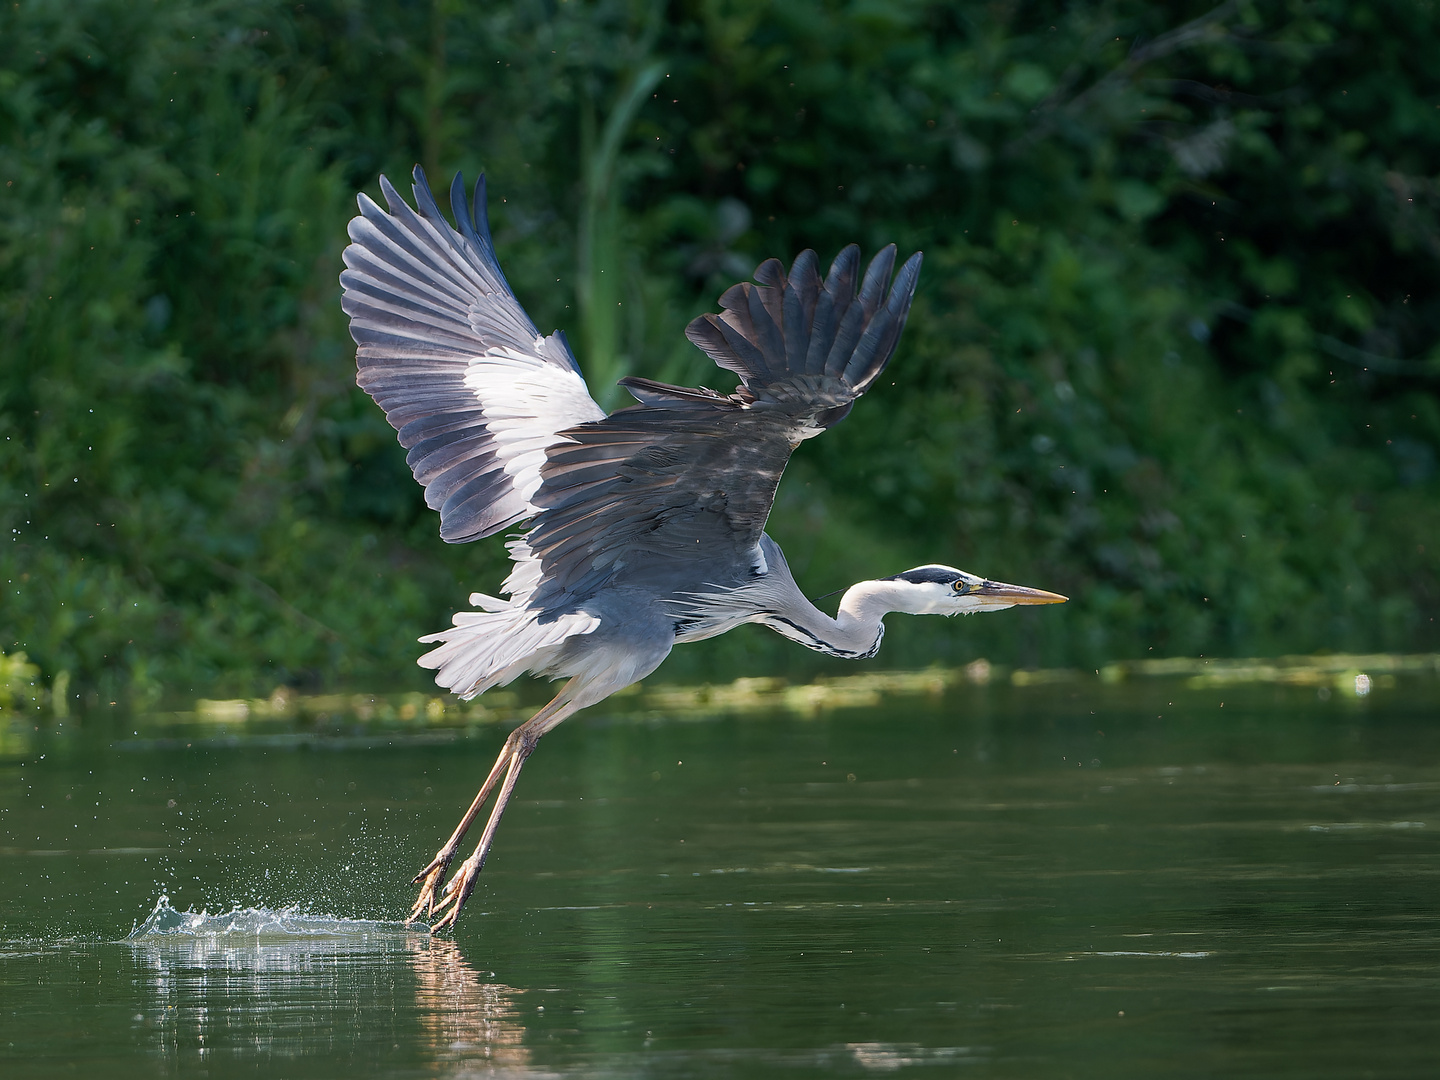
{"points": [[944, 590]]}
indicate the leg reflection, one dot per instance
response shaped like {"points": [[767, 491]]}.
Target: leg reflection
{"points": [[467, 1020]]}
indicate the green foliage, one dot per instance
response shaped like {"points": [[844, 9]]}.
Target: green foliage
{"points": [[20, 689], [1174, 354]]}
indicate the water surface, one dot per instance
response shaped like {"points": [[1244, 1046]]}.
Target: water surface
{"points": [[1075, 880]]}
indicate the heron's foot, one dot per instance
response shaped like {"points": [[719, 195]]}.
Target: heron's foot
{"points": [[430, 879], [457, 891]]}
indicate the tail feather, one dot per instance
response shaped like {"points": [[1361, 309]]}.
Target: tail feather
{"points": [[494, 646]]}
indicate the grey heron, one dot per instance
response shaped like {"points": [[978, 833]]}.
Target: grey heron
{"points": [[641, 529]]}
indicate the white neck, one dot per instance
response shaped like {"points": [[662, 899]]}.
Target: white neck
{"points": [[856, 630]]}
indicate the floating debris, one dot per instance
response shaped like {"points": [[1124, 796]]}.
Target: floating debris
{"points": [[1044, 677], [844, 692], [405, 709], [1353, 672], [1349, 674]]}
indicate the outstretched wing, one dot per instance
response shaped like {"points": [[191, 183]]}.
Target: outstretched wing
{"points": [[476, 393], [689, 474]]}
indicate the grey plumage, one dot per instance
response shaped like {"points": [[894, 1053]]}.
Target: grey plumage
{"points": [[643, 528], [686, 477], [689, 476]]}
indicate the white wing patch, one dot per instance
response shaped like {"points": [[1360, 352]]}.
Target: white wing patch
{"points": [[525, 402]]}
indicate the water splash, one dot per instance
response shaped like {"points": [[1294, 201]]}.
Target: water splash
{"points": [[263, 925]]}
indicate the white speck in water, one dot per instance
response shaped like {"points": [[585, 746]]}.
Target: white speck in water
{"points": [[1362, 684]]}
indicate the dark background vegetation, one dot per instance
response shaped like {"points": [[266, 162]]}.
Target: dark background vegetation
{"points": [[1174, 351]]}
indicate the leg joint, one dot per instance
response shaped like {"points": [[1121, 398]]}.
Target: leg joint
{"points": [[522, 741]]}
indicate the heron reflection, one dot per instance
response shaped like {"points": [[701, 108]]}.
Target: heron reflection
{"points": [[467, 1020], [282, 982]]}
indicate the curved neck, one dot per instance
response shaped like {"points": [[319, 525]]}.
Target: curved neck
{"points": [[858, 626]]}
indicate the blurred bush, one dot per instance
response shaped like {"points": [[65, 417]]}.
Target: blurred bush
{"points": [[1174, 354]]}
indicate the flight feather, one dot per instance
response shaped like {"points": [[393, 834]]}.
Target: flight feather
{"points": [[474, 391]]}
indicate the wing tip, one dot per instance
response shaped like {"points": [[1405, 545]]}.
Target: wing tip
{"points": [[842, 338]]}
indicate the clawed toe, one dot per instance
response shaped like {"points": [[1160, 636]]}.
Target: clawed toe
{"points": [[440, 862], [457, 890], [433, 876]]}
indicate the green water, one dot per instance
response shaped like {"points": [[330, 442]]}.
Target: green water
{"points": [[1040, 882]]}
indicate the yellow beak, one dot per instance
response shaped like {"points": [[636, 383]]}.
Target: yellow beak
{"points": [[1017, 594]]}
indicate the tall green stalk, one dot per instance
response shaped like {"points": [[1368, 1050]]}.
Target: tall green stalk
{"points": [[601, 293]]}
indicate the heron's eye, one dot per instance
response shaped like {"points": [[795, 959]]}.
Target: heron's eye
{"points": [[960, 586]]}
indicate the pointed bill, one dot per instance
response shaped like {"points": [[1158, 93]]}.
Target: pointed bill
{"points": [[1000, 593]]}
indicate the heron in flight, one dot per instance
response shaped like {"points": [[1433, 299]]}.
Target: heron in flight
{"points": [[641, 529]]}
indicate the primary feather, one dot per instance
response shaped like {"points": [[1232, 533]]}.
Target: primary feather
{"points": [[474, 390]]}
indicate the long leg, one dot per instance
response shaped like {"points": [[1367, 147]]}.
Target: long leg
{"points": [[525, 739], [433, 876], [459, 888], [517, 748]]}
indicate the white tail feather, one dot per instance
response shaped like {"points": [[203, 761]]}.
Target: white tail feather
{"points": [[492, 647]]}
